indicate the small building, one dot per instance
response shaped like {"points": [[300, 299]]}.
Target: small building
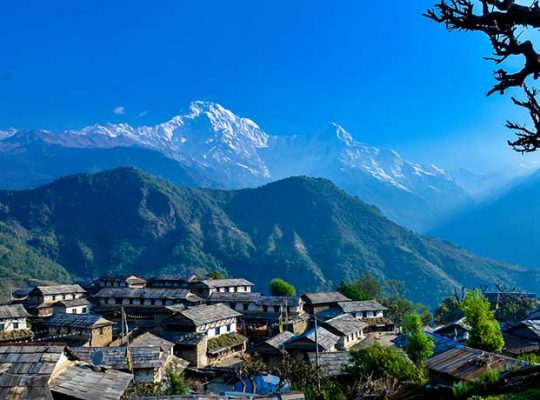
{"points": [[148, 361], [53, 372], [146, 297], [75, 306], [349, 329], [88, 329], [363, 309], [334, 364], [206, 287], [523, 338], [458, 331], [271, 350], [308, 342], [178, 281], [319, 301], [211, 332], [121, 281], [40, 299], [13, 318]]}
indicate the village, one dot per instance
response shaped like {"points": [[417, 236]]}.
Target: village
{"points": [[125, 336]]}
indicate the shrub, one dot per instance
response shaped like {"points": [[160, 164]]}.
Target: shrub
{"points": [[279, 287]]}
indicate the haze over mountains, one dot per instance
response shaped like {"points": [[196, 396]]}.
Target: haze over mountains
{"points": [[305, 230], [209, 146]]}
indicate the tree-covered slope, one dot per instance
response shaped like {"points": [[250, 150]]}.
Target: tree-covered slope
{"points": [[305, 230]]}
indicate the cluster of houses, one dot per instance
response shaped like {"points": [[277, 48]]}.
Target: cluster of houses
{"points": [[128, 329], [71, 341]]}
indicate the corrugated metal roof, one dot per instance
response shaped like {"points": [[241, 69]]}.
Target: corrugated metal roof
{"points": [[465, 363], [13, 311]]}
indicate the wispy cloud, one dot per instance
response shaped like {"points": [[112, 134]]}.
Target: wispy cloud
{"points": [[120, 110], [142, 114]]}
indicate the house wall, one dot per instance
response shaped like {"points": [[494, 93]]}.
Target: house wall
{"points": [[12, 324], [101, 336], [71, 310], [218, 328]]}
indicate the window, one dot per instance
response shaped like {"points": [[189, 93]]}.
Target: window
{"points": [[265, 308], [233, 305], [54, 297], [276, 308], [245, 307], [2, 327], [216, 331], [130, 301], [83, 310], [118, 301], [229, 328], [15, 325]]}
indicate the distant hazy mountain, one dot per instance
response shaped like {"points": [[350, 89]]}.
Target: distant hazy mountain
{"points": [[305, 230], [214, 147], [507, 227]]}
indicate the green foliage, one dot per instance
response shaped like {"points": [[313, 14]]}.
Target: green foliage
{"points": [[352, 291], [369, 285], [380, 361], [216, 275], [279, 287], [463, 389], [175, 384], [305, 229], [225, 340], [530, 358], [485, 333], [470, 390], [448, 311], [419, 345], [314, 382]]}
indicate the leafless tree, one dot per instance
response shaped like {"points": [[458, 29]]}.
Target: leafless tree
{"points": [[505, 22]]}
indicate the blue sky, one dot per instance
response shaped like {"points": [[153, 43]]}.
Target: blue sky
{"points": [[388, 75]]}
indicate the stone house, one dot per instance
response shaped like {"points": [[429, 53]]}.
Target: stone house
{"points": [[13, 317], [300, 346], [75, 306], [319, 301], [178, 281], [349, 329], [206, 287], [271, 350], [121, 280], [87, 329], [146, 297], [40, 299]]}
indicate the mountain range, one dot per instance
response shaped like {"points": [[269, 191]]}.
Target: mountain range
{"points": [[304, 230], [210, 146]]}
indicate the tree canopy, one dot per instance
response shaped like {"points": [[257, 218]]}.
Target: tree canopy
{"points": [[419, 345], [279, 287], [508, 26], [485, 332]]}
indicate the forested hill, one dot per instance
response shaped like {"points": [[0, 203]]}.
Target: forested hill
{"points": [[305, 230]]}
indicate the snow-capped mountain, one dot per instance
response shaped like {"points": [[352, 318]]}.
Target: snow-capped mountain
{"points": [[234, 152]]}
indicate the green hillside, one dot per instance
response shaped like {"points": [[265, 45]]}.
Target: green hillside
{"points": [[305, 230]]}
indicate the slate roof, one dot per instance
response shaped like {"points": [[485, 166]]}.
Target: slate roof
{"points": [[148, 339], [324, 297], [173, 277], [344, 325], [182, 338], [60, 289], [280, 339], [333, 363], [23, 292], [77, 320], [204, 314], [147, 293], [218, 283], [279, 300], [121, 277], [116, 357], [534, 314], [13, 311], [82, 382], [26, 370], [217, 297], [533, 326], [361, 306], [325, 338], [72, 303]]}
